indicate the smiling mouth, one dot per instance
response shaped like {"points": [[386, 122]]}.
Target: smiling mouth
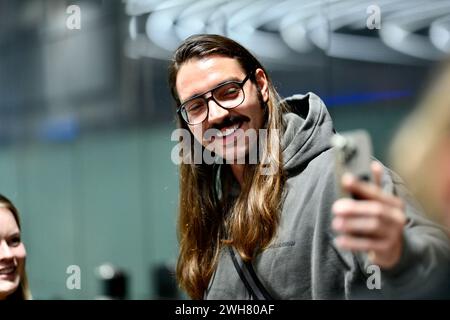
{"points": [[222, 134], [8, 271]]}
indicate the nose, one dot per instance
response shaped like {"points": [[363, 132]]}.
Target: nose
{"points": [[216, 113], [5, 251]]}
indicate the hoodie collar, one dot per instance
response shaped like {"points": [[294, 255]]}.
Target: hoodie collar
{"points": [[308, 130]]}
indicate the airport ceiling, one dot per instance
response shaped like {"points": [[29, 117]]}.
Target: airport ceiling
{"points": [[398, 31]]}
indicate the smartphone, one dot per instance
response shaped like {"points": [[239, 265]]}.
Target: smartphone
{"points": [[353, 155]]}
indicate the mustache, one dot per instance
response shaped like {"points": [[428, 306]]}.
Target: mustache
{"points": [[229, 121]]}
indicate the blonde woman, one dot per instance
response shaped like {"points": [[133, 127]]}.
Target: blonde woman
{"points": [[421, 151], [13, 279], [421, 155]]}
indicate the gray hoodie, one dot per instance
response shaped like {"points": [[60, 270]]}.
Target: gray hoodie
{"points": [[302, 261]]}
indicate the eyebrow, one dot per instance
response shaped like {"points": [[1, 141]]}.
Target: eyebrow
{"points": [[196, 95], [14, 234]]}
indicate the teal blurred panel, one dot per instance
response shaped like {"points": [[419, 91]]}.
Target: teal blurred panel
{"points": [[9, 174], [46, 199], [160, 191], [128, 192], [110, 209], [108, 197]]}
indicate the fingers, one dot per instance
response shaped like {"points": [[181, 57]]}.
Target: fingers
{"points": [[359, 226], [360, 244], [375, 248], [369, 191], [367, 209], [370, 226], [362, 218], [374, 224], [381, 252], [377, 172]]}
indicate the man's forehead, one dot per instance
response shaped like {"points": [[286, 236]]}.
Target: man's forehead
{"points": [[212, 61], [209, 62], [201, 74]]}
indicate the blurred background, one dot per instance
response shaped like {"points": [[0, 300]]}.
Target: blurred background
{"points": [[86, 114]]}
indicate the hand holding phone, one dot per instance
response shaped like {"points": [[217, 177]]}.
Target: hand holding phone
{"points": [[375, 225]]}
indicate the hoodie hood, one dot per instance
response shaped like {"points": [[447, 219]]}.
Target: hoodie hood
{"points": [[308, 131]]}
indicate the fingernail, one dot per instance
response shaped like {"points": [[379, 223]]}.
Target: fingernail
{"points": [[347, 178], [377, 165], [340, 206]]}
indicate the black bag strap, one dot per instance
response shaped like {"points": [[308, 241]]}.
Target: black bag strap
{"points": [[248, 276]]}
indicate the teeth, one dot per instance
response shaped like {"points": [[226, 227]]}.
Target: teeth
{"points": [[228, 131], [7, 270]]}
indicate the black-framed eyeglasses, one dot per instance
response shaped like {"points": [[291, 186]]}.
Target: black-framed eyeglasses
{"points": [[227, 95]]}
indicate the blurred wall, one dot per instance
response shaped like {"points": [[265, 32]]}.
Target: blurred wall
{"points": [[109, 198]]}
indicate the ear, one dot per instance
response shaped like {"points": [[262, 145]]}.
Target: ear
{"points": [[262, 83]]}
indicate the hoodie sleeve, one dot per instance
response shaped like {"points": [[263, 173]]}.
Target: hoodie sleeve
{"points": [[425, 249]]}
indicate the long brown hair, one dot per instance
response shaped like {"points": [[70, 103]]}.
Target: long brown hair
{"points": [[23, 291], [208, 218]]}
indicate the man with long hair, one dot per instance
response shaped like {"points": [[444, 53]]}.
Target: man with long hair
{"points": [[280, 214]]}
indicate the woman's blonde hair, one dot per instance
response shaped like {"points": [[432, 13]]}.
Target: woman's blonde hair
{"points": [[208, 219], [416, 147], [23, 291]]}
